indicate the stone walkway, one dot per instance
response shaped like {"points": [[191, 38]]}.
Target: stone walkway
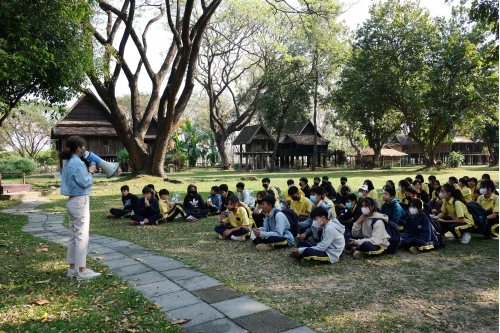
{"points": [[183, 293]]}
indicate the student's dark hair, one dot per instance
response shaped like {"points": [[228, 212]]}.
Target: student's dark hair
{"points": [[417, 181], [261, 194], [293, 190], [240, 185], [412, 190], [390, 190], [404, 183], [431, 178], [317, 178], [319, 212], [391, 182], [163, 191], [453, 179], [234, 199], [369, 202], [420, 177], [473, 179], [124, 188], [476, 191], [370, 185], [325, 177], [436, 191], [269, 199], [436, 182], [486, 176], [466, 178], [304, 179], [455, 193], [343, 178], [215, 189], [266, 180], [317, 190], [223, 187], [290, 182], [416, 202], [351, 197], [72, 144], [270, 192], [409, 180], [463, 180], [147, 189], [345, 189], [151, 186], [488, 184]]}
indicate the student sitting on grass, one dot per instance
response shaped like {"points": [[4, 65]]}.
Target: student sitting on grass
{"points": [[351, 213], [332, 243], [224, 194], [214, 202], [301, 205], [235, 224], [368, 235], [472, 185], [304, 186], [453, 181], [129, 204], [305, 227], [329, 190], [455, 216], [276, 230], [421, 193], [401, 191], [489, 201], [170, 210], [343, 182], [340, 206], [290, 183], [436, 188], [194, 203], [425, 187], [245, 196], [257, 215], [154, 193], [463, 186], [148, 210], [419, 233], [392, 209], [372, 192]]}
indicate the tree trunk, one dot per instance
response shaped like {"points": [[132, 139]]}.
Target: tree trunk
{"points": [[429, 153], [220, 141], [275, 151], [315, 140], [376, 159]]}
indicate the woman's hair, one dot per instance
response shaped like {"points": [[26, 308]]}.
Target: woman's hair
{"points": [[404, 183], [391, 183], [419, 177], [370, 185], [369, 202], [473, 179], [436, 191], [417, 203], [455, 193], [72, 144], [261, 194], [488, 184], [417, 181], [234, 199]]}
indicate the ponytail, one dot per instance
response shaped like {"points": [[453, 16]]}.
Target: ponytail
{"points": [[65, 154], [455, 193], [72, 144]]}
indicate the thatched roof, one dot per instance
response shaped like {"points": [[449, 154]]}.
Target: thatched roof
{"points": [[405, 140], [306, 140], [251, 132], [462, 139], [386, 151]]}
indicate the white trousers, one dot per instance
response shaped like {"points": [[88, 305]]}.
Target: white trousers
{"points": [[79, 220]]}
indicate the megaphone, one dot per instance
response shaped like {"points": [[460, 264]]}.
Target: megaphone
{"points": [[109, 168]]}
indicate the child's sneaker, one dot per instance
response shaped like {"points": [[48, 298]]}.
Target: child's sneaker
{"points": [[72, 272], [87, 275], [466, 238], [191, 219], [414, 250], [238, 238], [221, 237]]}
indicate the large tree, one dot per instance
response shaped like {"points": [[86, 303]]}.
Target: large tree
{"points": [[44, 51]]}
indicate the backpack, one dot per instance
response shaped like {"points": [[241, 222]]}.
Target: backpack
{"points": [[392, 229], [478, 215], [249, 213], [292, 219], [280, 195]]}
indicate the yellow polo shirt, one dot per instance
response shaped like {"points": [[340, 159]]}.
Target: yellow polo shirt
{"points": [[400, 195], [490, 205], [373, 194], [240, 219], [289, 198], [339, 189], [466, 193], [304, 205], [457, 209]]}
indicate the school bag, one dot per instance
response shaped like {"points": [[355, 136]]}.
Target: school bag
{"points": [[392, 229], [249, 214], [280, 195], [292, 218], [478, 215]]}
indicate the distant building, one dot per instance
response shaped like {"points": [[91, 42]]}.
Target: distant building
{"points": [[388, 156]]}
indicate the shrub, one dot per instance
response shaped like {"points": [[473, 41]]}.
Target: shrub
{"points": [[123, 158], [17, 164], [297, 164], [455, 159]]}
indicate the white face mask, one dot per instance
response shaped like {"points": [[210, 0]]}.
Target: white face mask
{"points": [[316, 224], [399, 188], [413, 211], [360, 194], [442, 195], [483, 191], [365, 210]]}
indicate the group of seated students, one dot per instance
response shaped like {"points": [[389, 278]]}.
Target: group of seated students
{"points": [[330, 221]]}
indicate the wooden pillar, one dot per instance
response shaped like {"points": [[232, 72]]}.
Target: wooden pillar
{"points": [[241, 158], [302, 162]]}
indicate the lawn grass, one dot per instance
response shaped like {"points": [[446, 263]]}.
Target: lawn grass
{"points": [[453, 289], [106, 304]]}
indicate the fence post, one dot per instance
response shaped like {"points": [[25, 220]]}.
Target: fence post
{"points": [[24, 178]]}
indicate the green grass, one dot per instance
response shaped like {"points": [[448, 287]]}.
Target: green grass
{"points": [[451, 289], [106, 304]]}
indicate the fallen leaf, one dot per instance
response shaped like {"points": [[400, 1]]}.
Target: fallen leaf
{"points": [[429, 315], [106, 319], [158, 306], [40, 282], [181, 321], [99, 258], [43, 249], [40, 302], [11, 296], [68, 296], [140, 260]]}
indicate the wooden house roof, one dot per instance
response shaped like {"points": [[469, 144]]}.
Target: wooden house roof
{"points": [[385, 151], [249, 133], [306, 140]]}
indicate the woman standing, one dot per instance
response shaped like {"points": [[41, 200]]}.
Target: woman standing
{"points": [[76, 183]]}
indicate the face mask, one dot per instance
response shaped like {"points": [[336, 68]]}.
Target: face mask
{"points": [[399, 188], [408, 198], [316, 184], [413, 211], [265, 185], [483, 191], [316, 224], [313, 198], [349, 205], [365, 210], [193, 192], [442, 195], [259, 202], [360, 194], [295, 198], [342, 183]]}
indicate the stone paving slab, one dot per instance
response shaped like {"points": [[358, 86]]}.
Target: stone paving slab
{"points": [[98, 253], [144, 278], [198, 282], [181, 273], [126, 261], [131, 270], [107, 257], [220, 325], [33, 229], [103, 241], [118, 244], [161, 263], [270, 321], [45, 234], [198, 313], [239, 307], [60, 239], [155, 289], [301, 329], [176, 300], [217, 294]]}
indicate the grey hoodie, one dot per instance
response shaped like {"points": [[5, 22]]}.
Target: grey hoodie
{"points": [[332, 240], [376, 234]]}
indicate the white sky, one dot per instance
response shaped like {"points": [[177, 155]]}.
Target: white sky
{"points": [[353, 17]]}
